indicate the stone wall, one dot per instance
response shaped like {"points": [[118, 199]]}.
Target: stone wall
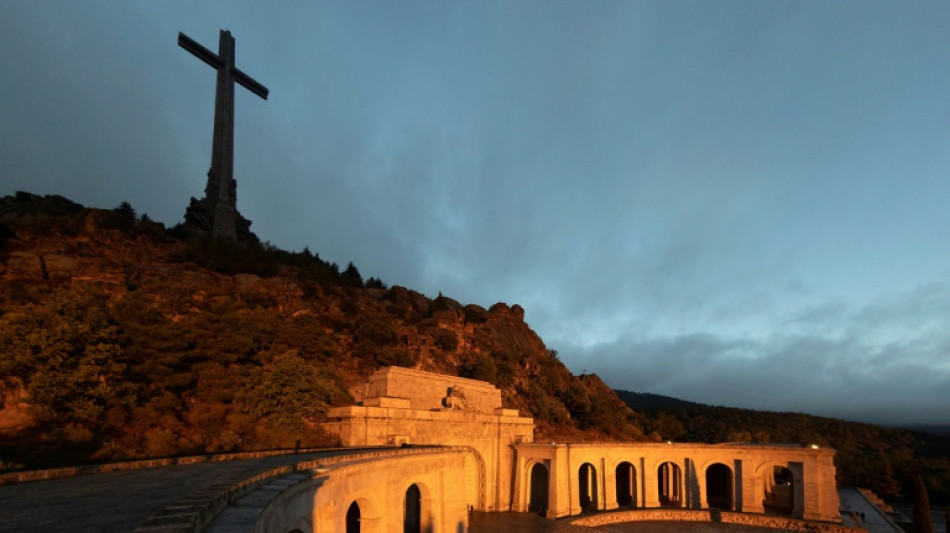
{"points": [[426, 390], [683, 515], [405, 407], [378, 487]]}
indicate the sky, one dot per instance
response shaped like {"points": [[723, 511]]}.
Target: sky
{"points": [[740, 203]]}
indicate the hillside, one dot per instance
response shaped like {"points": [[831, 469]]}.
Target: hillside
{"points": [[120, 338], [886, 460]]}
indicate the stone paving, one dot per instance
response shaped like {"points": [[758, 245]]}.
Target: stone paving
{"points": [[859, 512], [118, 501]]}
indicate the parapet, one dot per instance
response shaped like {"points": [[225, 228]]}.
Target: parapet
{"points": [[392, 386]]}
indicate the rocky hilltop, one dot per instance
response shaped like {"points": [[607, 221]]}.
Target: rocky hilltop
{"points": [[120, 338]]}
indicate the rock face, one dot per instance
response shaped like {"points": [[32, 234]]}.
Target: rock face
{"points": [[27, 205]]}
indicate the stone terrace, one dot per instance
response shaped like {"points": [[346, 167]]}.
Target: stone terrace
{"points": [[152, 499]]}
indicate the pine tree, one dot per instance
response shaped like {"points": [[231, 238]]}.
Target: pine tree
{"points": [[125, 209], [922, 520], [351, 276]]}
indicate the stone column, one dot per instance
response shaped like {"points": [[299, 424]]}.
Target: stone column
{"points": [[700, 488], [609, 484], [561, 492], [428, 521], [640, 482], [651, 489], [798, 490], [753, 490], [737, 486]]}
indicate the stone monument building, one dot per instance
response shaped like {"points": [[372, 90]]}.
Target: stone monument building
{"points": [[404, 406], [507, 471]]}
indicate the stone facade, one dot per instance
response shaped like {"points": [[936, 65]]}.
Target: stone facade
{"points": [[402, 406], [506, 468], [378, 487], [427, 391], [749, 483]]}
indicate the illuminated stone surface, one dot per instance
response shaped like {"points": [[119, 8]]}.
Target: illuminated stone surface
{"points": [[457, 449]]}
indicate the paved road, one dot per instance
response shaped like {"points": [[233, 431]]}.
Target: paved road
{"points": [[870, 517], [118, 501]]}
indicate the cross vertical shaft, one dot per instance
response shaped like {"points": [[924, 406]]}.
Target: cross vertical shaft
{"points": [[221, 185], [220, 202]]}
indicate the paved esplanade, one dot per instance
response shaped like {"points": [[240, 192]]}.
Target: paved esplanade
{"points": [[121, 501], [859, 512]]}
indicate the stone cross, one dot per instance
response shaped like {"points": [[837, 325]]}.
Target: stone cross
{"points": [[221, 190]]}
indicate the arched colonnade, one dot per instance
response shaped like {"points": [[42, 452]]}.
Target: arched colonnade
{"points": [[560, 480]]}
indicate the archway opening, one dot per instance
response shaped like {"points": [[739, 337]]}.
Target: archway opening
{"points": [[779, 485], [538, 501], [412, 510], [587, 480], [626, 476], [670, 484], [353, 518], [719, 487]]}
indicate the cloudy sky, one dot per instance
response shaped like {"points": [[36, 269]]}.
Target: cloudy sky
{"points": [[742, 203]]}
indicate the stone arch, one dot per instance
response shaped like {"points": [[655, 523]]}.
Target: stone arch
{"points": [[412, 510], [302, 525], [779, 485], [587, 487], [669, 476], [626, 481], [539, 487], [360, 516], [353, 518], [418, 508], [476, 480], [720, 486]]}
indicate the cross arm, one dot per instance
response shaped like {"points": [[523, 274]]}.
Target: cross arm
{"points": [[249, 83], [199, 51]]}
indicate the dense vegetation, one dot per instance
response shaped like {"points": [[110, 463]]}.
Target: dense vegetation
{"points": [[886, 460], [119, 339]]}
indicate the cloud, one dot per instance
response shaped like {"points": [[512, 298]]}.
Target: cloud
{"points": [[831, 361]]}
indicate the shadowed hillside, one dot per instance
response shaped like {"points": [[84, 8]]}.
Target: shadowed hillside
{"points": [[122, 339]]}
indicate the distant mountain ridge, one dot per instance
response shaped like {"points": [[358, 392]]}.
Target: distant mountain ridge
{"points": [[933, 429], [647, 400]]}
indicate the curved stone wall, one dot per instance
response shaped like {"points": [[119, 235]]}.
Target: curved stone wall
{"points": [[688, 515]]}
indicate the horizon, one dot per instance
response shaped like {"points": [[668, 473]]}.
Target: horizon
{"points": [[734, 203]]}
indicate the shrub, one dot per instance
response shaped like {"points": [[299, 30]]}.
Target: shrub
{"points": [[445, 339]]}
